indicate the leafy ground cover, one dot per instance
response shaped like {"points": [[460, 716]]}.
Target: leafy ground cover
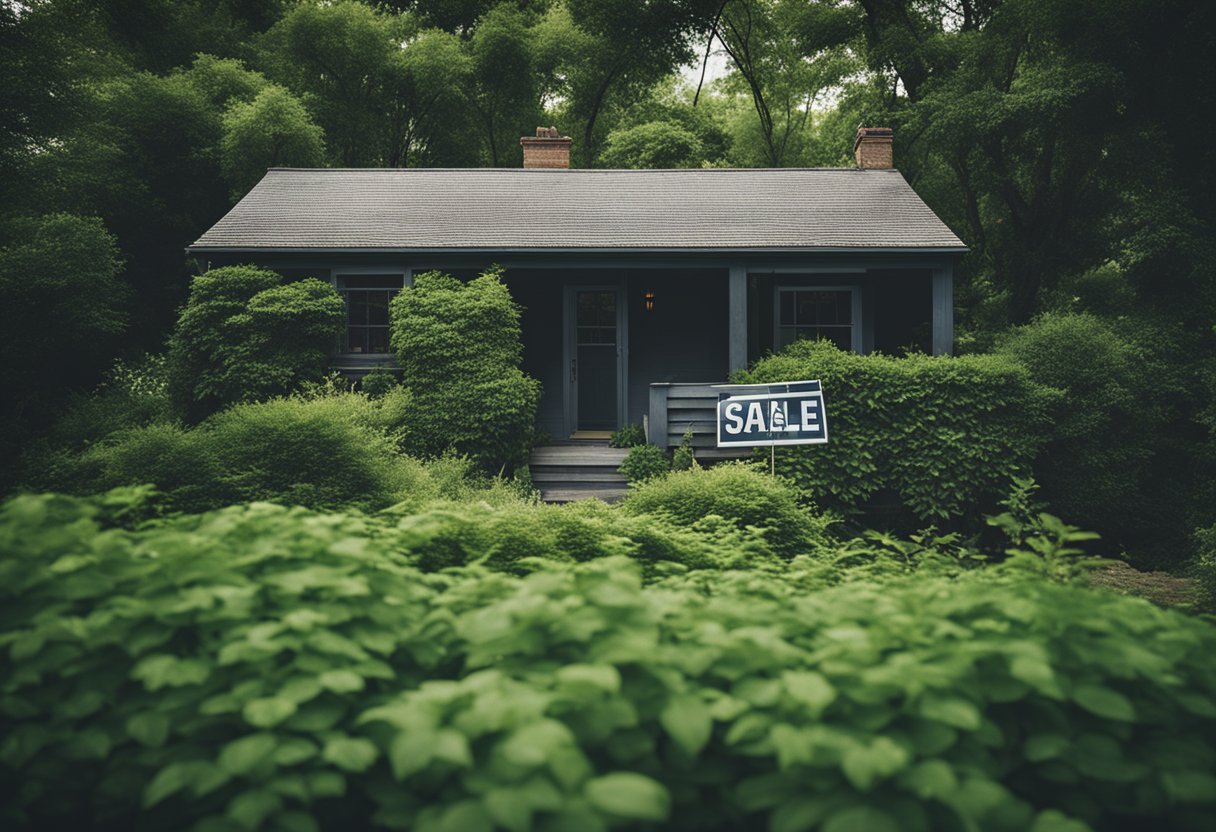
{"points": [[262, 667]]}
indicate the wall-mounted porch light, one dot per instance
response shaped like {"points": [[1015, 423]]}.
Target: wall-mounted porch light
{"points": [[649, 298]]}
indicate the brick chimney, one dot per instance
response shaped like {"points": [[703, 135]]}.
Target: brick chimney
{"points": [[872, 148], [547, 149]]}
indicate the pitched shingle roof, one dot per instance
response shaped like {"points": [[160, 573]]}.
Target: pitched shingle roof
{"points": [[492, 209]]}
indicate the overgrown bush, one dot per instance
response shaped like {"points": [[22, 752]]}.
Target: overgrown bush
{"points": [[1105, 428], [377, 383], [946, 435], [246, 336], [133, 394], [738, 493], [460, 351], [325, 452], [644, 462], [1203, 567], [517, 536], [628, 436], [684, 456], [262, 667]]}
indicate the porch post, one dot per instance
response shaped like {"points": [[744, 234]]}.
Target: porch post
{"points": [[943, 310], [738, 318]]}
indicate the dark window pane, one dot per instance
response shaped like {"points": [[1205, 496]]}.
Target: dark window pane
{"points": [[842, 337], [354, 339], [377, 339], [787, 308], [377, 308], [370, 281], [595, 335], [356, 307], [596, 308]]}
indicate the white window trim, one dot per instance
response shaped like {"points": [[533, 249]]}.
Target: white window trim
{"points": [[855, 303], [340, 279]]}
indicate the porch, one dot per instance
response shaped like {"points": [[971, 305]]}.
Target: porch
{"points": [[641, 345]]}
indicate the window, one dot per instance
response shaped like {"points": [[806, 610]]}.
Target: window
{"points": [[814, 313], [367, 297]]}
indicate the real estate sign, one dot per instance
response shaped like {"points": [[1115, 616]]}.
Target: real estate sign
{"points": [[790, 413]]}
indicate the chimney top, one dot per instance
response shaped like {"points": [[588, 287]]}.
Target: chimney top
{"points": [[872, 148], [547, 149]]}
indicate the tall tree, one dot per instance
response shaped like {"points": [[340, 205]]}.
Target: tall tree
{"points": [[506, 95], [786, 55], [273, 129], [601, 51]]}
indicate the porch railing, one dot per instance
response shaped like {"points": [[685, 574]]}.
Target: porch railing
{"points": [[677, 408]]}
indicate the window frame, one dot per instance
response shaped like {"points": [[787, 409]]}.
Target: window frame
{"points": [[347, 279], [854, 290]]}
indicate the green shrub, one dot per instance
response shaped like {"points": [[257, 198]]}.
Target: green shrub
{"points": [[738, 493], [459, 347], [246, 336], [1203, 567], [644, 462], [323, 453], [1105, 428], [132, 395], [263, 667], [946, 435], [628, 436], [326, 452], [377, 383], [684, 457]]}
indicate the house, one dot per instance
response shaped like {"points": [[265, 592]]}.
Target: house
{"points": [[632, 280]]}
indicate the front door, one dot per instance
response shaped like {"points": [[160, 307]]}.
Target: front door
{"points": [[594, 351]]}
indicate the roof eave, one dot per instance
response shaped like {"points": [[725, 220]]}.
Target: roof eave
{"points": [[196, 249]]}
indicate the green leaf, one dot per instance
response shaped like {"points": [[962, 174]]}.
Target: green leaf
{"points": [[161, 671], [1190, 786], [171, 779], [353, 754], [451, 746], [1054, 821], [809, 688], [509, 809], [410, 752], [1104, 702], [863, 765], [251, 808], [297, 822], [950, 710], [293, 751], [268, 712], [930, 779], [242, 756], [1040, 747], [603, 677], [861, 819], [535, 743], [341, 681], [798, 815], [687, 719], [627, 794], [150, 728], [326, 784]]}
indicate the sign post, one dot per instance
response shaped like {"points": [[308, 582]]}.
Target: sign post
{"points": [[755, 415]]}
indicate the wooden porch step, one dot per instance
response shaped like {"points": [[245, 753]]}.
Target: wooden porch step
{"points": [[550, 474], [569, 495], [577, 471]]}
